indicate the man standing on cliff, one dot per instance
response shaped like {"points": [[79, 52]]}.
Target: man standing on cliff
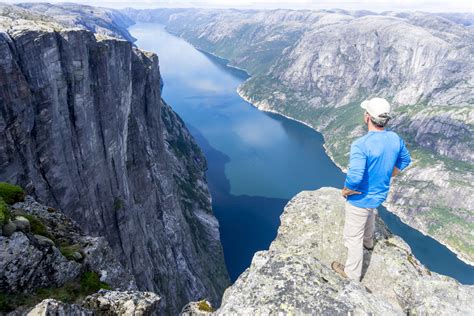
{"points": [[374, 159]]}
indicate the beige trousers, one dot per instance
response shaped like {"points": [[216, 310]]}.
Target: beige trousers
{"points": [[358, 231]]}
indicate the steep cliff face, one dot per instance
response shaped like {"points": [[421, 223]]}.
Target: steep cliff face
{"points": [[316, 67], [294, 275], [85, 130]]}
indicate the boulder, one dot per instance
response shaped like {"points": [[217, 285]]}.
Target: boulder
{"points": [[135, 303], [53, 307], [22, 223]]}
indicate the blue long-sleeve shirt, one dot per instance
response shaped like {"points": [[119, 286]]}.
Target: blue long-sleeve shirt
{"points": [[372, 160]]}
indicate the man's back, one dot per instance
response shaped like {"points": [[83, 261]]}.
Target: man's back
{"points": [[372, 160]]}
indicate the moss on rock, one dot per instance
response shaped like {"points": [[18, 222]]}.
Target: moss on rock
{"points": [[11, 193]]}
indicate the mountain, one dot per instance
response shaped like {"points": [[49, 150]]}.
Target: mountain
{"points": [[95, 19], [85, 130], [317, 66], [293, 275]]}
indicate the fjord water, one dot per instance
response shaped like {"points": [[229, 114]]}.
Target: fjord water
{"points": [[256, 161]]}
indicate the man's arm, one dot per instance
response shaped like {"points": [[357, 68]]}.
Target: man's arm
{"points": [[395, 171], [356, 170], [403, 159]]}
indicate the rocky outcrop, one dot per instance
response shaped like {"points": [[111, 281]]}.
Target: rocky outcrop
{"points": [[294, 275], [46, 250], [316, 67], [31, 262], [123, 303], [54, 307], [85, 130], [103, 303], [51, 250]]}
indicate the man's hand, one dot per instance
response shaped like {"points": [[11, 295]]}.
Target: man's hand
{"points": [[346, 192], [395, 171]]}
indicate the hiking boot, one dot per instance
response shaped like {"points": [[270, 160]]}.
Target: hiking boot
{"points": [[339, 269]]}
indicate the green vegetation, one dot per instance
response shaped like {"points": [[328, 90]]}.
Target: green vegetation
{"points": [[426, 158], [204, 306], [441, 217], [4, 212], [90, 283], [71, 292], [11, 193], [69, 250], [37, 226]]}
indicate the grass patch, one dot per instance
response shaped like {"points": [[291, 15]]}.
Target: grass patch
{"points": [[90, 283], [11, 193], [4, 212], [69, 250], [38, 227], [71, 292]]}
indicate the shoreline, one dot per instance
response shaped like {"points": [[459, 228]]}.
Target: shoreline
{"points": [[390, 207]]}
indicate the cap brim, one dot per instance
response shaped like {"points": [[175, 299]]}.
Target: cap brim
{"points": [[364, 104]]}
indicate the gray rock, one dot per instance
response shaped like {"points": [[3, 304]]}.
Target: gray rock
{"points": [[51, 307], [114, 156], [8, 229], [28, 263], [22, 223], [77, 256], [296, 269], [124, 303], [44, 241], [94, 253], [102, 303]]}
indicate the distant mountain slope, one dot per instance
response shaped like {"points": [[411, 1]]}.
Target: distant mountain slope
{"points": [[95, 19], [84, 129], [316, 67]]}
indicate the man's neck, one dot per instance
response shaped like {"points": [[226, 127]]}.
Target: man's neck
{"points": [[373, 128]]}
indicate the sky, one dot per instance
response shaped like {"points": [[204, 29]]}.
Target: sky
{"points": [[373, 5]]}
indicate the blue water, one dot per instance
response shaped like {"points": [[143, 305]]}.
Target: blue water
{"points": [[257, 161]]}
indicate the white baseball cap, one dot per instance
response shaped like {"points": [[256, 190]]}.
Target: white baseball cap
{"points": [[376, 107]]}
